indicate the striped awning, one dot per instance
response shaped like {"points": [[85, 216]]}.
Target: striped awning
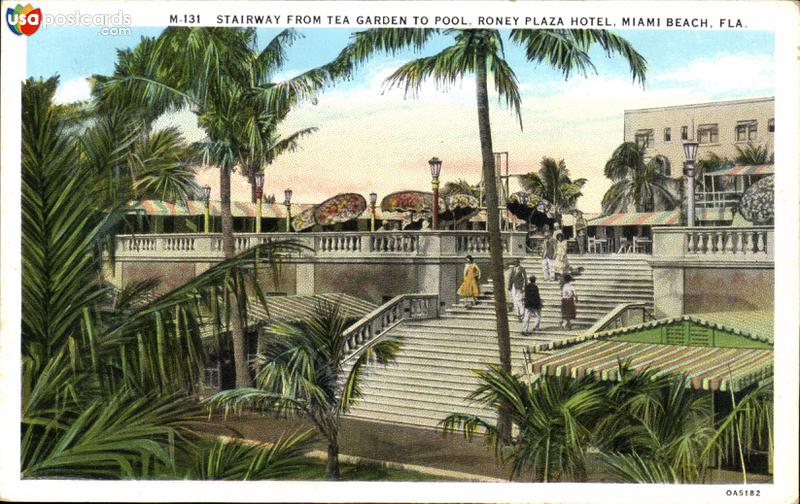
{"points": [[189, 208], [667, 218], [707, 368], [764, 169]]}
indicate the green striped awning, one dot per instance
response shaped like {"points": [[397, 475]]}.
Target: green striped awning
{"points": [[714, 214], [707, 368], [764, 169], [668, 218], [189, 208]]}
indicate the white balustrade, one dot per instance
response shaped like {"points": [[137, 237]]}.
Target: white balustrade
{"points": [[718, 241], [375, 323], [714, 243], [205, 247]]}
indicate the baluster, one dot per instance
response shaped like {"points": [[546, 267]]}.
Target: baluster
{"points": [[729, 245], [760, 242], [718, 245], [747, 242]]}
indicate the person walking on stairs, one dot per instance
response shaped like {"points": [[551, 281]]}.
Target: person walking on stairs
{"points": [[517, 276], [580, 231], [533, 307], [469, 286], [561, 262], [569, 302], [548, 256]]}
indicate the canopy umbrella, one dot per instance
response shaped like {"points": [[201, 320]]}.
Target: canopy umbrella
{"points": [[531, 208], [340, 208], [460, 207], [305, 219], [758, 201], [417, 205]]}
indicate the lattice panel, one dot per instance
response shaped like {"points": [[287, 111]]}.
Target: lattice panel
{"points": [[700, 336], [674, 335]]}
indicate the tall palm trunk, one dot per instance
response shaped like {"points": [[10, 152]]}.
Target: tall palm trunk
{"points": [[237, 330], [332, 468], [495, 239]]}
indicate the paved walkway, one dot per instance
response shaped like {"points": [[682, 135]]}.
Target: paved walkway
{"points": [[378, 441], [409, 446]]}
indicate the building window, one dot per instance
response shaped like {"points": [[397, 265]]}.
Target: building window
{"points": [[708, 133], [644, 138], [771, 125], [746, 131], [667, 134], [684, 132]]}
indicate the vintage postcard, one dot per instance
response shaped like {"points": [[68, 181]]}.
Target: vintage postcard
{"points": [[400, 251]]}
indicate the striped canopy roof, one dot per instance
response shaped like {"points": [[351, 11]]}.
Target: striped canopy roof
{"points": [[707, 368], [764, 169], [668, 218], [188, 208]]}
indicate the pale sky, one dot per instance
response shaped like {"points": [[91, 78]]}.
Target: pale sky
{"points": [[370, 139]]}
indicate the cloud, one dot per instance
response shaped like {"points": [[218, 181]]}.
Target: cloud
{"points": [[73, 90], [374, 139], [725, 72]]}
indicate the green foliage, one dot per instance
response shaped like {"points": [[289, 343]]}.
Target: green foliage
{"points": [[635, 182], [106, 376], [649, 427], [553, 184], [554, 416], [232, 460], [304, 371], [754, 154]]}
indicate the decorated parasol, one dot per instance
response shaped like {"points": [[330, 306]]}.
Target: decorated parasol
{"points": [[530, 207], [461, 206], [416, 205], [305, 219], [340, 208], [758, 202], [409, 201]]}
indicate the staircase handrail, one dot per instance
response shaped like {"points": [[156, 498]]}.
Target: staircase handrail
{"points": [[375, 323], [614, 318]]}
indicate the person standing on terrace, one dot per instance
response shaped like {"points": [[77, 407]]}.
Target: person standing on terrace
{"points": [[469, 286]]}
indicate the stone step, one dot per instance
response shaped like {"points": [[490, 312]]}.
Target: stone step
{"points": [[462, 334], [435, 408], [401, 416]]}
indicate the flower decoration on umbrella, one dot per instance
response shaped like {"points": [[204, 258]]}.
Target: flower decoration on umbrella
{"points": [[340, 208], [304, 219], [758, 202]]}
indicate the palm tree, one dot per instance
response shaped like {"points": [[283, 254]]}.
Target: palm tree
{"points": [[481, 52], [274, 147], [554, 185], [661, 429], [220, 76], [754, 154], [305, 371], [636, 182], [747, 428], [106, 379], [554, 416]]}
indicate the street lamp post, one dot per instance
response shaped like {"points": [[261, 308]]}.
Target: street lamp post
{"points": [[690, 151], [207, 214], [436, 169], [373, 199], [288, 202], [259, 178]]}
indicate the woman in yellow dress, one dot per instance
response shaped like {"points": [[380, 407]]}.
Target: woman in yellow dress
{"points": [[469, 287]]}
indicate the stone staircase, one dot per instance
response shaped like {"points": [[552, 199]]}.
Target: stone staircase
{"points": [[433, 373]]}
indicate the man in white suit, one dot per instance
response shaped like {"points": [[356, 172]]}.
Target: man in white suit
{"points": [[517, 278]]}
